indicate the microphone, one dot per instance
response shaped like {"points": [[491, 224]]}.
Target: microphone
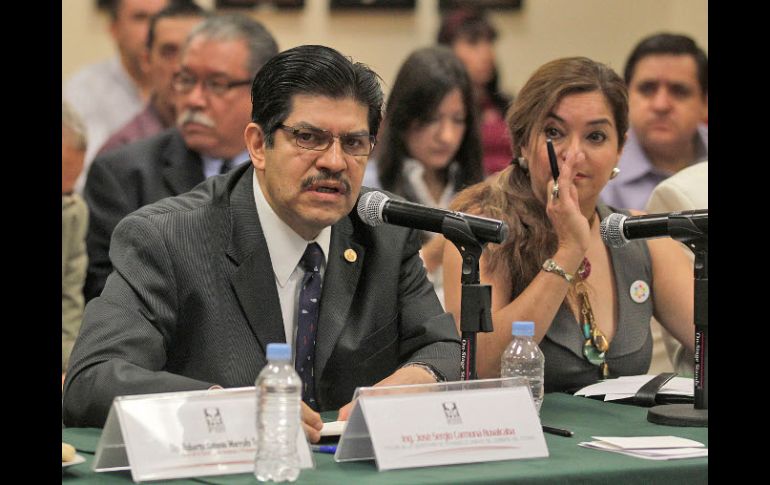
{"points": [[375, 208], [618, 230]]}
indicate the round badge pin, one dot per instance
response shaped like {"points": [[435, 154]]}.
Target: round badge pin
{"points": [[640, 291], [350, 256]]}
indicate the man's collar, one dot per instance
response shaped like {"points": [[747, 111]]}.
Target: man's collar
{"points": [[285, 246], [638, 165]]}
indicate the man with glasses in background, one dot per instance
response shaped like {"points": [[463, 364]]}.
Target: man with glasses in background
{"points": [[271, 252], [167, 34], [219, 60]]}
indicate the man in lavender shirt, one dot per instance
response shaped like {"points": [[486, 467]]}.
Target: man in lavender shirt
{"points": [[667, 77]]}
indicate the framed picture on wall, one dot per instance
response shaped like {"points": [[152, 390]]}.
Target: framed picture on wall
{"points": [[371, 4], [256, 3], [498, 4]]}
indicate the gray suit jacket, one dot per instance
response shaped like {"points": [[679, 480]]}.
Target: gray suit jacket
{"points": [[125, 179], [192, 302]]}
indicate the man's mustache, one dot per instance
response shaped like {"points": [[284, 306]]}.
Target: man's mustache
{"points": [[325, 175], [194, 116]]}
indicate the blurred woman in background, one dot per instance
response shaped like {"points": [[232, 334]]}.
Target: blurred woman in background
{"points": [[430, 147]]}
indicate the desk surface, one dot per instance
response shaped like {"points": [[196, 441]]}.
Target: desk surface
{"points": [[567, 461]]}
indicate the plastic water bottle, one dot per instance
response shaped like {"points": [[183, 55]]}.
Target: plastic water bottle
{"points": [[523, 358], [278, 417]]}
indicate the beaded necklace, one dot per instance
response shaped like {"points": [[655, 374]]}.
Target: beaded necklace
{"points": [[595, 345]]}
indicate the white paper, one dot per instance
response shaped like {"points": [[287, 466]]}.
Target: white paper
{"points": [[628, 386], [648, 442], [649, 447], [660, 454], [333, 428]]}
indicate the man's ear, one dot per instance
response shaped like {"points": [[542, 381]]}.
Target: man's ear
{"points": [[256, 144]]}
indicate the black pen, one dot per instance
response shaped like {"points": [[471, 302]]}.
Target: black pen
{"points": [[557, 431], [552, 159]]}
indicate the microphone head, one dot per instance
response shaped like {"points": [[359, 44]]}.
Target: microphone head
{"points": [[611, 230], [370, 207]]}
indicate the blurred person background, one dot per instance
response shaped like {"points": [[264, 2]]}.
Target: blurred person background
{"points": [[108, 93], [74, 223], [472, 38], [217, 66], [382, 38], [166, 36], [688, 189], [430, 147], [667, 77]]}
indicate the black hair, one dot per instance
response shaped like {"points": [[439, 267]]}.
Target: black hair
{"points": [[311, 70], [425, 78], [675, 44]]}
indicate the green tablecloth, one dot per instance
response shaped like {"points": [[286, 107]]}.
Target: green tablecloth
{"points": [[567, 461]]}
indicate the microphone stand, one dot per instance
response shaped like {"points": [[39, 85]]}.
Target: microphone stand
{"points": [[692, 414], [476, 299]]}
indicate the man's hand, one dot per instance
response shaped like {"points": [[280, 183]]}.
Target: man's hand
{"points": [[311, 423], [405, 375]]}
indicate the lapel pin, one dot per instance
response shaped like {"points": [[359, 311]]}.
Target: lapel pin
{"points": [[350, 256]]}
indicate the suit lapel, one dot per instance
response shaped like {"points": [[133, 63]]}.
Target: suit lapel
{"points": [[340, 282], [253, 280], [182, 167]]}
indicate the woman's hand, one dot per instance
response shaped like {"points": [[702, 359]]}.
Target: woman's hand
{"points": [[571, 226]]}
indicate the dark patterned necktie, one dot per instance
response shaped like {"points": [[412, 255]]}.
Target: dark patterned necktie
{"points": [[227, 163], [307, 320]]}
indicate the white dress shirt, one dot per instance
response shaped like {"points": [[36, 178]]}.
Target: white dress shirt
{"points": [[286, 248]]}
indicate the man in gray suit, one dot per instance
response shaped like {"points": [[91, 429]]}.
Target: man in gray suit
{"points": [[204, 281], [218, 63]]}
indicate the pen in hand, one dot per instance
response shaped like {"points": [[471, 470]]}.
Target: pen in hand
{"points": [[553, 160], [557, 431]]}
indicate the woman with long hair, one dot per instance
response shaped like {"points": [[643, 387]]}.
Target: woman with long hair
{"points": [[430, 147], [591, 304]]}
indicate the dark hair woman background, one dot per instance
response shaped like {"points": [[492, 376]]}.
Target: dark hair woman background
{"points": [[430, 147]]}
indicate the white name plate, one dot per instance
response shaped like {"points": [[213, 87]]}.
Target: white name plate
{"points": [[184, 434], [464, 422]]}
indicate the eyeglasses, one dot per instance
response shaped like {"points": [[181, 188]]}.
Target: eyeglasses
{"points": [[184, 83], [320, 140]]}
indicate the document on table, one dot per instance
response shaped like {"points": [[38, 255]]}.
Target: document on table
{"points": [[627, 386], [649, 447]]}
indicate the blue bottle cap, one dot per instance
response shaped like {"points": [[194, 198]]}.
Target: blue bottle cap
{"points": [[525, 329], [278, 352]]}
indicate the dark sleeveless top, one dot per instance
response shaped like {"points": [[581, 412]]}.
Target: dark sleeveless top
{"points": [[566, 369]]}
